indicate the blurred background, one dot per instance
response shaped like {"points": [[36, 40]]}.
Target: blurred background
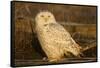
{"points": [[79, 20]]}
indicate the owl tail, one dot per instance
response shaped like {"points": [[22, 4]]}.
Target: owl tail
{"points": [[73, 50], [70, 53]]}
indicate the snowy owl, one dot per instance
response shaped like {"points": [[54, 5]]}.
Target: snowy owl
{"points": [[55, 40]]}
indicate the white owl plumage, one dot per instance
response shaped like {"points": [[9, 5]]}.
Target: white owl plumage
{"points": [[55, 40]]}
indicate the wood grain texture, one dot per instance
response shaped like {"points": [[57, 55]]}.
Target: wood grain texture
{"points": [[27, 46]]}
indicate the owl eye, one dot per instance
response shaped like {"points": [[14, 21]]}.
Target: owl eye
{"points": [[48, 16], [42, 16]]}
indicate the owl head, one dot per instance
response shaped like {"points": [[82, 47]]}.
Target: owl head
{"points": [[45, 17]]}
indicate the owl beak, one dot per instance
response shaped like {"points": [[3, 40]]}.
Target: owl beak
{"points": [[46, 19]]}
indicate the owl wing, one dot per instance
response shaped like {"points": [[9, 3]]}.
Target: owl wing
{"points": [[63, 39], [59, 31]]}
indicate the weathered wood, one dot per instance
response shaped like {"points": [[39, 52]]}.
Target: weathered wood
{"points": [[43, 62], [78, 20]]}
